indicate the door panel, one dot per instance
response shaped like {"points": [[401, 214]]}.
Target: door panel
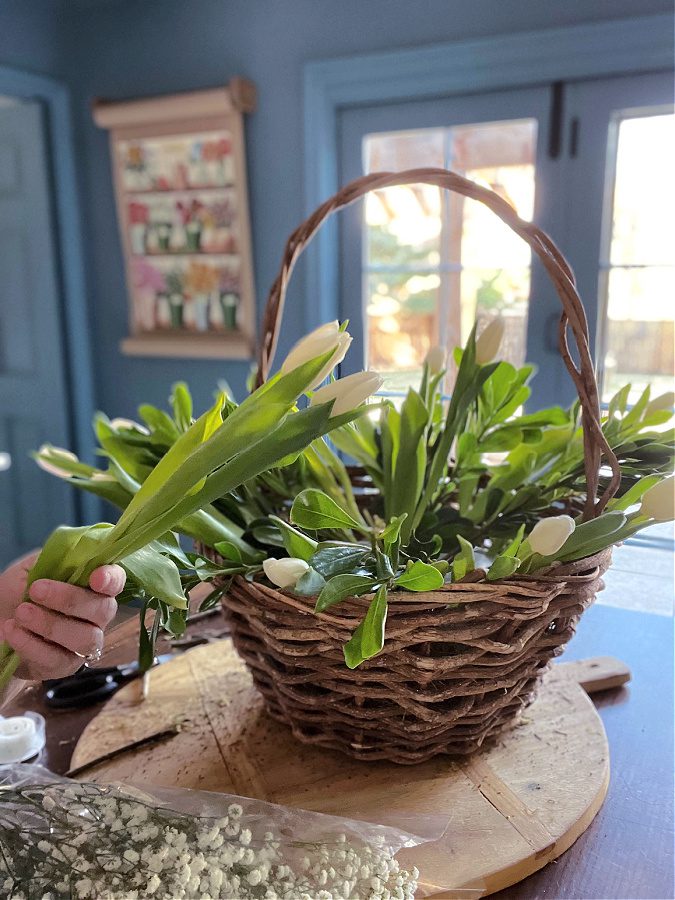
{"points": [[573, 203], [599, 107], [501, 119], [33, 401]]}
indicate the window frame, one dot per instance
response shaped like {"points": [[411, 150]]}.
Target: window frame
{"points": [[624, 46]]}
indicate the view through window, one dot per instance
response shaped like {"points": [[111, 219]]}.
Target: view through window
{"points": [[434, 263], [637, 277]]}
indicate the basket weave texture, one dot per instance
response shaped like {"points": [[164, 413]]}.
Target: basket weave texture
{"points": [[458, 663]]}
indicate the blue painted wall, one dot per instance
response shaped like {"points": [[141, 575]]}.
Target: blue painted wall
{"points": [[143, 47], [32, 36]]}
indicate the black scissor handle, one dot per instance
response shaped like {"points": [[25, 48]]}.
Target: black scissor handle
{"points": [[77, 691]]}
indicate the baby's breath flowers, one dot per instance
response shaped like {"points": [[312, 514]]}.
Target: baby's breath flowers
{"points": [[92, 842]]}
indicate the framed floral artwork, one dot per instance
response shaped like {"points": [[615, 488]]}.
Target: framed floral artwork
{"points": [[179, 171]]}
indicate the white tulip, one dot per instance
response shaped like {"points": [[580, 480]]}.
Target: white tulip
{"points": [[51, 465], [435, 359], [659, 501], [664, 401], [487, 345], [548, 535], [348, 392], [317, 343], [285, 573], [127, 424]]}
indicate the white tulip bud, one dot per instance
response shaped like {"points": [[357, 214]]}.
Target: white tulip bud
{"points": [[119, 422], [664, 401], [435, 359], [285, 573], [548, 535], [487, 345], [317, 343], [659, 501], [51, 465], [348, 392]]}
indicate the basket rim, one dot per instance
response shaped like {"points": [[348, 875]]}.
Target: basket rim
{"points": [[521, 589]]}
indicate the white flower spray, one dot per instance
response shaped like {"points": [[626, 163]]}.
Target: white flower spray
{"points": [[93, 842]]}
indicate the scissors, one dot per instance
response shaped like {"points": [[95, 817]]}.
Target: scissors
{"points": [[91, 685]]}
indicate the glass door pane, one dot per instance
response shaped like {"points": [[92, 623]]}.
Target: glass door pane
{"points": [[433, 263], [637, 273]]}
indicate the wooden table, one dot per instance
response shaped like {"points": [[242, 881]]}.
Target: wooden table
{"points": [[628, 850]]}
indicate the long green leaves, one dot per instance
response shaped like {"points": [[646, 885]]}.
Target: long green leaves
{"points": [[223, 449]]}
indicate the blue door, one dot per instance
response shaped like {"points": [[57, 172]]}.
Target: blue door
{"points": [[33, 396]]}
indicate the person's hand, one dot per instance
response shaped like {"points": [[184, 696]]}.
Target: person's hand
{"points": [[62, 626]]}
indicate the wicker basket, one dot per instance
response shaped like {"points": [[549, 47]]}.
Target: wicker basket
{"points": [[458, 663]]}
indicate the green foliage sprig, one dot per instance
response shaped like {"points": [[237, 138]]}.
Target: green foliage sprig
{"points": [[466, 488], [207, 459]]}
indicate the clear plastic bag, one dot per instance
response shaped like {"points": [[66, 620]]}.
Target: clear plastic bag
{"points": [[63, 839]]}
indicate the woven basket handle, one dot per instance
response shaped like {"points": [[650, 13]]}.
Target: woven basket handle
{"points": [[573, 315]]}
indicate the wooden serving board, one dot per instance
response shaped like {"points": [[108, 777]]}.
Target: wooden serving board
{"points": [[502, 814]]}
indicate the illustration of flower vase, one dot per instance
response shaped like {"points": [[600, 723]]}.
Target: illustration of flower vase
{"points": [[163, 311], [193, 233], [138, 226], [178, 237], [163, 236], [137, 237], [229, 304], [201, 312], [176, 308], [146, 310]]}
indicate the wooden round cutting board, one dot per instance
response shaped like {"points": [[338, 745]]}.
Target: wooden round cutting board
{"points": [[502, 814]]}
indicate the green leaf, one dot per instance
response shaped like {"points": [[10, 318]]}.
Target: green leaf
{"points": [[634, 495], [420, 576], [156, 575], [636, 412], [296, 543], [314, 510], [228, 551], [390, 533], [181, 403], [137, 461], [177, 622], [619, 401], [591, 536], [169, 545], [409, 462], [514, 546], [337, 560], [503, 567], [309, 584], [368, 639], [464, 561], [66, 553], [342, 586], [265, 531], [161, 425]]}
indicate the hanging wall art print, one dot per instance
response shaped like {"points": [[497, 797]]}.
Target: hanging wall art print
{"points": [[179, 170]]}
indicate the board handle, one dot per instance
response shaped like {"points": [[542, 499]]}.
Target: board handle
{"points": [[599, 673]]}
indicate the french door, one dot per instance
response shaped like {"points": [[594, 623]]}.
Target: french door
{"points": [[33, 393], [419, 269]]}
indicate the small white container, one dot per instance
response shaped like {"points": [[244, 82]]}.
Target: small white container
{"points": [[21, 737]]}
